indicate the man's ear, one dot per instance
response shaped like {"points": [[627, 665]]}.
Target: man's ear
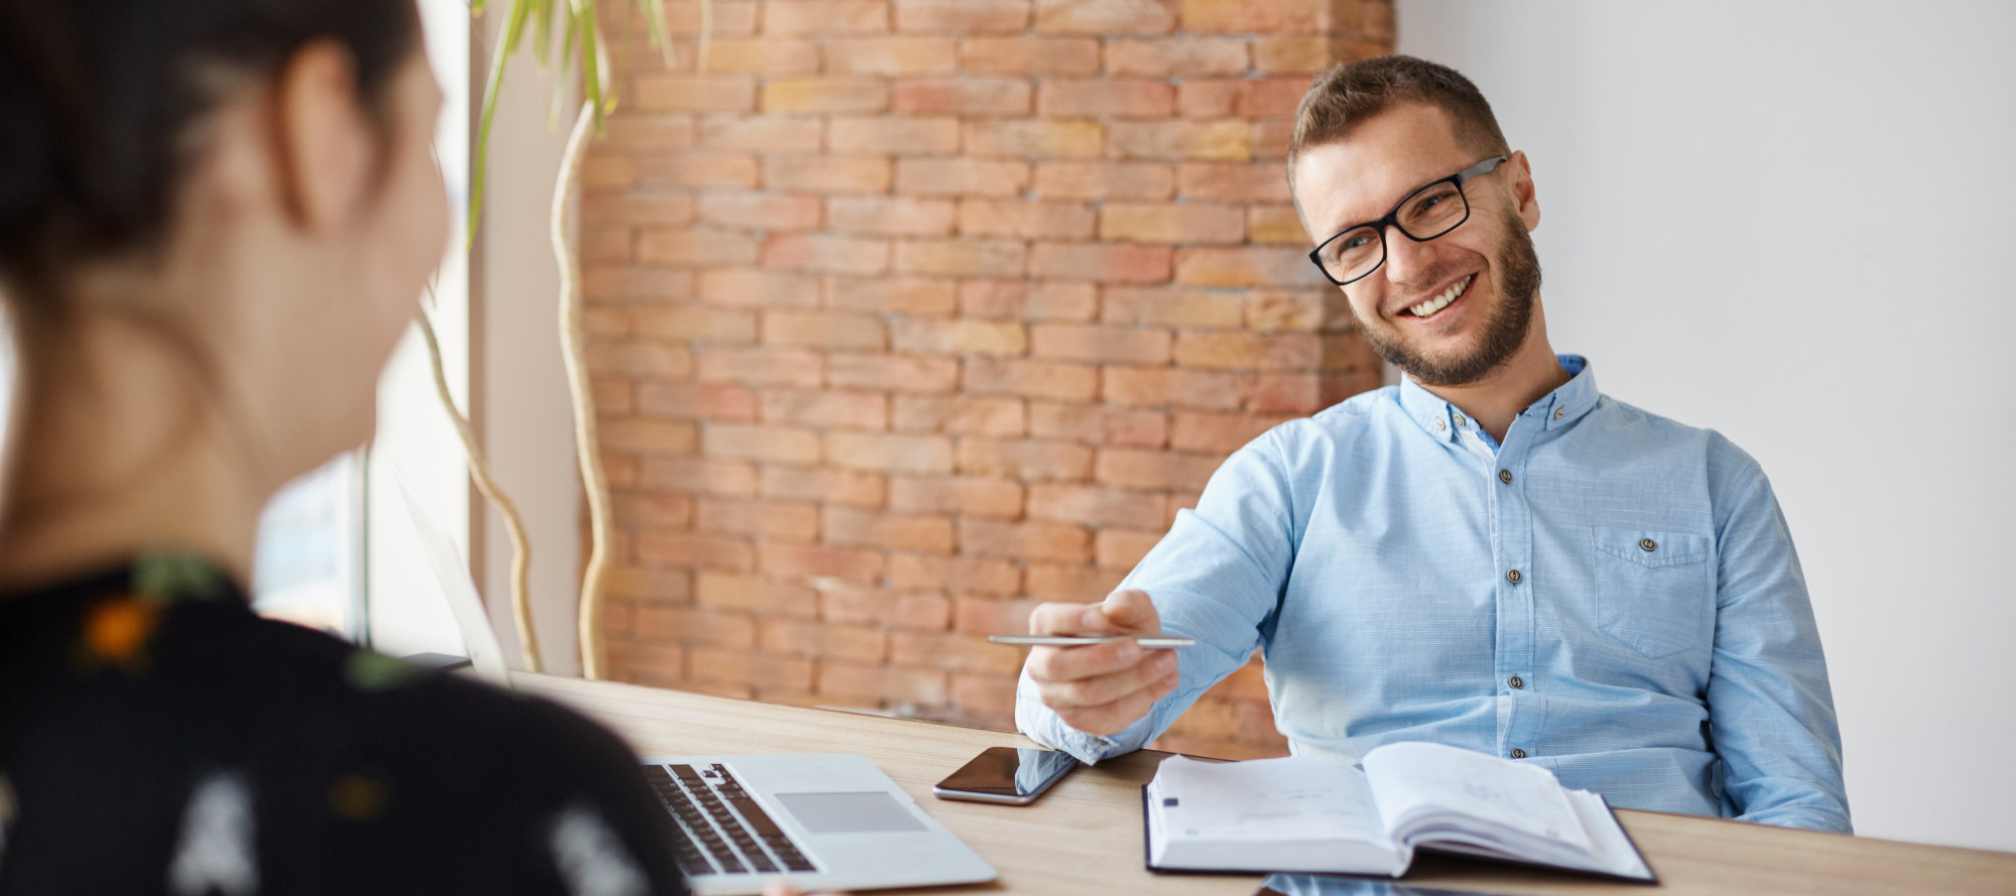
{"points": [[323, 146], [1520, 178]]}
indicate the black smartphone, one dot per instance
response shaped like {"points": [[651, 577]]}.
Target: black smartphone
{"points": [[1011, 775], [1324, 885]]}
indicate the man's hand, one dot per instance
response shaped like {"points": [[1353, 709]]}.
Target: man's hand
{"points": [[1101, 688]]}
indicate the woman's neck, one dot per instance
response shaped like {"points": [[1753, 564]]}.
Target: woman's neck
{"points": [[123, 447]]}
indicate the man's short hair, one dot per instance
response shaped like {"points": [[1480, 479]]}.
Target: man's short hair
{"points": [[1351, 93]]}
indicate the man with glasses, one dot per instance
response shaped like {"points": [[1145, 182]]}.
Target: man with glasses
{"points": [[1492, 554]]}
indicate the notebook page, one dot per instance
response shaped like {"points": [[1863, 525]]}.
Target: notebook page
{"points": [[1293, 798], [1410, 780]]}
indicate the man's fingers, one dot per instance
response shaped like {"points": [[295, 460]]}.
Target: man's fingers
{"points": [[1114, 717], [1103, 689], [1059, 619], [1070, 663], [1131, 611]]}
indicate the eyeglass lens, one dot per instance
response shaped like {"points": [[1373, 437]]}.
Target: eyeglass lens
{"points": [[1434, 211]]}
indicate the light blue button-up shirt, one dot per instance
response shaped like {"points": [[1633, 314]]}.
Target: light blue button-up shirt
{"points": [[1607, 593]]}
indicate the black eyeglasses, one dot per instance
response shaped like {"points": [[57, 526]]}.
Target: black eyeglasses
{"points": [[1425, 214]]}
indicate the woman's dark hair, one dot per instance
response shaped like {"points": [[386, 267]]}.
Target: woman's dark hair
{"points": [[100, 102]]}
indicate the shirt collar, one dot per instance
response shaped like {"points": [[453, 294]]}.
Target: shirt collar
{"points": [[1556, 409]]}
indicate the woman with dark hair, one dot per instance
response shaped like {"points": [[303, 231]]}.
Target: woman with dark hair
{"points": [[216, 219]]}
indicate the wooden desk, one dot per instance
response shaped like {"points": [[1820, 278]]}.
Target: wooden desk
{"points": [[1084, 837]]}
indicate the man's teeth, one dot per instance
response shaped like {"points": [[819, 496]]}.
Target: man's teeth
{"points": [[1442, 301]]}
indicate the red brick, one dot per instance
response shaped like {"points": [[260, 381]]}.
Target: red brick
{"points": [[724, 18], [1028, 540], [891, 215], [1072, 583], [1241, 16], [646, 133], [749, 594], [1275, 224], [895, 373], [1297, 54], [938, 650], [1249, 351], [660, 622], [963, 16], [1035, 379], [694, 323], [827, 174], [883, 295], [763, 133], [676, 549], [1307, 310], [743, 668], [1131, 468], [977, 495], [697, 169], [1025, 220], [776, 522], [824, 329], [1209, 98], [826, 252], [820, 562], [766, 56], [762, 366], [1029, 56], [894, 684], [713, 477], [1271, 138], [1023, 300], [814, 95], [1100, 261], [612, 395], [1098, 424], [964, 574], [1104, 17], [605, 245], [902, 533], [649, 436], [1035, 138], [651, 665], [988, 695], [1172, 223], [652, 510], [1305, 393], [961, 176], [1162, 307], [761, 211], [621, 469], [967, 257], [1248, 266], [650, 585], [1025, 460], [1094, 506], [1272, 97], [1156, 386], [1188, 57], [759, 288], [636, 284], [825, 16], [891, 56], [985, 616], [780, 444], [1121, 549], [825, 485], [1219, 433], [960, 337], [921, 612], [827, 409], [890, 453], [602, 171], [961, 415], [1106, 97], [1232, 182], [639, 359], [1104, 180], [899, 135], [1090, 342], [695, 247], [661, 209], [693, 400], [962, 96], [686, 93], [1220, 140]]}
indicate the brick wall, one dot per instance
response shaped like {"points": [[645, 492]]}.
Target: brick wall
{"points": [[908, 315]]}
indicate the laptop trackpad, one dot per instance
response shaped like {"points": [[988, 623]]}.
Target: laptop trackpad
{"points": [[849, 813]]}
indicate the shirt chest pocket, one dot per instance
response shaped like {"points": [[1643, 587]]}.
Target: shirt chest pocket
{"points": [[1655, 591]]}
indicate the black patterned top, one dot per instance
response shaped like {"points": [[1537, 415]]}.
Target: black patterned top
{"points": [[156, 736]]}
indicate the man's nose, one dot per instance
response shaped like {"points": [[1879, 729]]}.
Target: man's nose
{"points": [[1405, 258]]}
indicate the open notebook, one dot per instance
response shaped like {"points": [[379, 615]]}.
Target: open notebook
{"points": [[1310, 814]]}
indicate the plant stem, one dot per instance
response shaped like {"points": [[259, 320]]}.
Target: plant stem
{"points": [[587, 439]]}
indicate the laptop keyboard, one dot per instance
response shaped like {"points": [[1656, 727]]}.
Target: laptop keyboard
{"points": [[721, 829]]}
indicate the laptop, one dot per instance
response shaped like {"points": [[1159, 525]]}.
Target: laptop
{"points": [[823, 820]]}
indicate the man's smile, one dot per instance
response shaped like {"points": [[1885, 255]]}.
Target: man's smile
{"points": [[1433, 306]]}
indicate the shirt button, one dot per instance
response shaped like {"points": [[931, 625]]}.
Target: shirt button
{"points": [[1460, 421], [1516, 682], [1518, 753], [1512, 576], [1560, 413], [1648, 544], [1439, 426], [1505, 476]]}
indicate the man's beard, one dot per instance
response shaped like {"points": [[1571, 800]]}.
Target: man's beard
{"points": [[1504, 330]]}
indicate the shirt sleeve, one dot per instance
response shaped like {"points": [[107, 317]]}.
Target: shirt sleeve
{"points": [[1770, 709], [1216, 577]]}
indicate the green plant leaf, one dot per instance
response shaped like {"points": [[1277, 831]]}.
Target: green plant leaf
{"points": [[514, 31]]}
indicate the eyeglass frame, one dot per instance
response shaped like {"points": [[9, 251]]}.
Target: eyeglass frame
{"points": [[1392, 218]]}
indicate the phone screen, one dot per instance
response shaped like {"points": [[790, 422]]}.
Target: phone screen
{"points": [[1010, 772], [1322, 885]]}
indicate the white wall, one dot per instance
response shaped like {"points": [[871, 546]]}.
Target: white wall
{"points": [[1790, 222]]}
